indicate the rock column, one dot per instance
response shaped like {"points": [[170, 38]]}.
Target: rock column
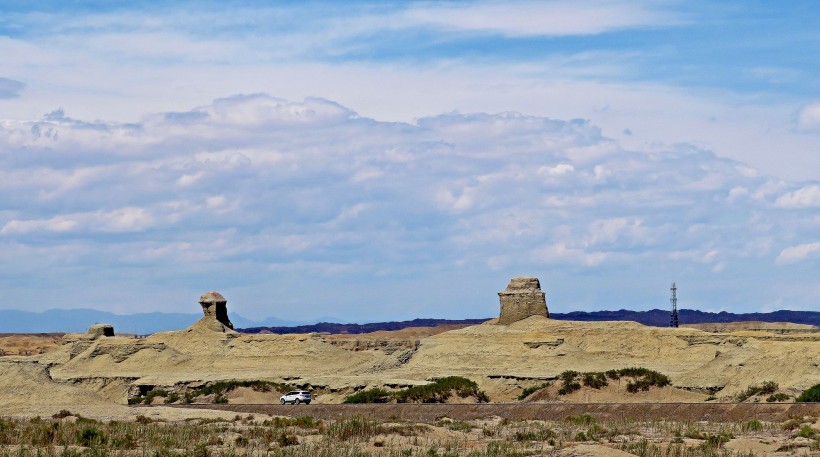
{"points": [[215, 307], [521, 299]]}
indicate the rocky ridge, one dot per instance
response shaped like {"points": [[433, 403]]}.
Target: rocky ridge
{"points": [[99, 369]]}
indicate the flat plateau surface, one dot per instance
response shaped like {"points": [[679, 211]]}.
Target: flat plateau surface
{"points": [[683, 412]]}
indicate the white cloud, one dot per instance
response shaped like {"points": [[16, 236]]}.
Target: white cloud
{"points": [[128, 219], [523, 18], [250, 185], [562, 254], [808, 119], [805, 197], [797, 253], [557, 170]]}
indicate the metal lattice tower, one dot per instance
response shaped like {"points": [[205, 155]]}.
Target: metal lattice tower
{"points": [[673, 316]]}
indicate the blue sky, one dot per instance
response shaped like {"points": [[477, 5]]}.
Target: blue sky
{"points": [[384, 160]]}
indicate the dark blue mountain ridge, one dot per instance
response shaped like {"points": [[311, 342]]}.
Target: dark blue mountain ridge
{"points": [[78, 320], [655, 317]]}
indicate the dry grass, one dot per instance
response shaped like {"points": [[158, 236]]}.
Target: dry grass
{"points": [[71, 436]]}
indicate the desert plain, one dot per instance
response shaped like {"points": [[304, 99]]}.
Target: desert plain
{"points": [[207, 378]]}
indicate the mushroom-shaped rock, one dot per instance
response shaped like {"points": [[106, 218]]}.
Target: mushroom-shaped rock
{"points": [[521, 299], [215, 307]]}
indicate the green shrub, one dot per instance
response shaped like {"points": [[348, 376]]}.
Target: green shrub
{"points": [[568, 376], [220, 399], [149, 397], [356, 427], [811, 394], [806, 432], [596, 380], [768, 387], [223, 387], [568, 388], [641, 379], [440, 390], [754, 425], [533, 389], [374, 395], [581, 419], [568, 384], [435, 392], [780, 396], [613, 374], [90, 436]]}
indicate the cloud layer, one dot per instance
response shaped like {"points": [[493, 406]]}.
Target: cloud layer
{"points": [[10, 88], [303, 209]]}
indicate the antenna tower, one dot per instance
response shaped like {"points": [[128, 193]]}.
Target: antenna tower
{"points": [[673, 316]]}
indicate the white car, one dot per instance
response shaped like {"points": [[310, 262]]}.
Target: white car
{"points": [[296, 397]]}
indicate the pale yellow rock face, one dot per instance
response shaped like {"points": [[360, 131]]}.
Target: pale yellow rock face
{"points": [[501, 358], [521, 299]]}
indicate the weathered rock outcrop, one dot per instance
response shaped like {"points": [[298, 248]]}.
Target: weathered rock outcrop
{"points": [[521, 299], [215, 308], [98, 330], [94, 332]]}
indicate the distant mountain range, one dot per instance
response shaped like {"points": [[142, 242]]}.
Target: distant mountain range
{"points": [[331, 327], [655, 317], [660, 318], [78, 320]]}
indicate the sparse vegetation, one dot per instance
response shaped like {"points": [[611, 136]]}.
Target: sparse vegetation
{"points": [[768, 387], [440, 390], [639, 379], [754, 425], [436, 392], [217, 390], [362, 436], [806, 432], [568, 384], [780, 396], [532, 389], [596, 380], [374, 395], [62, 414]]}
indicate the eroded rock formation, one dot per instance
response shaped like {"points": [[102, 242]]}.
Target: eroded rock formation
{"points": [[215, 307], [98, 330], [94, 332], [521, 299]]}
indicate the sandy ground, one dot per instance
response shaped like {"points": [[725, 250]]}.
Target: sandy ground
{"points": [[503, 359], [28, 344]]}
